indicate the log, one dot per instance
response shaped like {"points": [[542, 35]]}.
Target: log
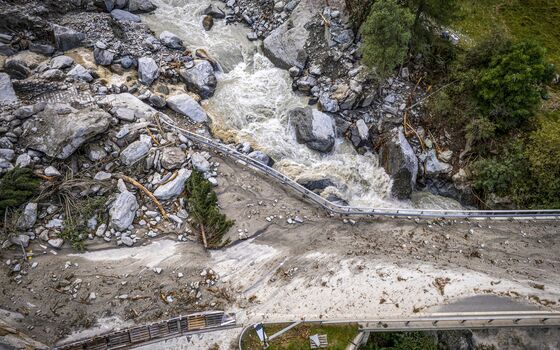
{"points": [[148, 193]]}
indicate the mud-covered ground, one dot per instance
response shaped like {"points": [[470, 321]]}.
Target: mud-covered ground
{"points": [[325, 267]]}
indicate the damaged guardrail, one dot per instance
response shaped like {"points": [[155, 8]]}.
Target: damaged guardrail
{"points": [[360, 211]]}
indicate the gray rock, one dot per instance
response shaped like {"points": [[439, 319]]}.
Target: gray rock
{"points": [[136, 150], [7, 50], [67, 38], [121, 4], [200, 78], [121, 15], [29, 110], [56, 242], [80, 73], [20, 239], [53, 74], [148, 70], [125, 114], [106, 5], [28, 217], [363, 130], [123, 209], [434, 166], [8, 154], [173, 188], [7, 93], [187, 106], [252, 36], [200, 163], [141, 6], [60, 135], [127, 241], [313, 128], [207, 22], [95, 152], [171, 40], [261, 157], [328, 104], [285, 46], [399, 161], [51, 171], [103, 57], [157, 101], [16, 69], [61, 62], [216, 13], [102, 176], [23, 160], [172, 158]]}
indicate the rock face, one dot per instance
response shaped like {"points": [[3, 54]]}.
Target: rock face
{"points": [[67, 38], [187, 106], [173, 188], [141, 6], [398, 159], [59, 135], [123, 210], [136, 150], [285, 46], [121, 15], [313, 128], [200, 79], [171, 40], [148, 70], [7, 93]]}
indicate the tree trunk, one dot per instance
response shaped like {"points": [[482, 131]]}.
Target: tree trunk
{"points": [[203, 234]]}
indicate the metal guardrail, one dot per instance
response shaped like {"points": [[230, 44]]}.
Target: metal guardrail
{"points": [[532, 319], [196, 323], [360, 211]]}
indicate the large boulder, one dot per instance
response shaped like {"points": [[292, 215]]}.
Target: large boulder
{"points": [[187, 106], [313, 128], [171, 40], [433, 166], [123, 210], [141, 6], [399, 161], [148, 70], [122, 15], [261, 157], [58, 132], [67, 38], [7, 93], [285, 46], [200, 78], [20, 65], [174, 187]]}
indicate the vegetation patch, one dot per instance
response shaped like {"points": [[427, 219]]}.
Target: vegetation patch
{"points": [[17, 186]]}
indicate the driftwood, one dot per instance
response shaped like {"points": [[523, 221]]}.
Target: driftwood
{"points": [[147, 192]]}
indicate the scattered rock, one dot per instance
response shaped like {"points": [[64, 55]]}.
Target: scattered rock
{"points": [[103, 57], [28, 218], [7, 93], [207, 22], [136, 150], [80, 73], [123, 209], [261, 157], [121, 15], [313, 128], [187, 106], [173, 188], [61, 62], [52, 171], [20, 239], [67, 38], [285, 46], [171, 40], [56, 242], [200, 78], [172, 158], [141, 6], [148, 70], [200, 163], [434, 166]]}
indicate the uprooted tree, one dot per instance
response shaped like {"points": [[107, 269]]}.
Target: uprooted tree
{"points": [[203, 208]]}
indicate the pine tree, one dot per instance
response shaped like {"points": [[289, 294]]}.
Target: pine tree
{"points": [[16, 187], [203, 208]]}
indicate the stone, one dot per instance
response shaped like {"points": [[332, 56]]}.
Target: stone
{"points": [[141, 6], [7, 93], [80, 73], [51, 171], [207, 22], [95, 152], [61, 62], [171, 40], [200, 78], [102, 176], [23, 160], [313, 128], [7, 50], [187, 106], [157, 101], [16, 69], [53, 74], [125, 114], [20, 239], [127, 241], [103, 57], [252, 36], [148, 70], [285, 46], [101, 230], [60, 135], [446, 155], [363, 130], [28, 218], [434, 166], [67, 38], [172, 158], [261, 157], [328, 104], [174, 187], [399, 161], [123, 210], [136, 150], [7, 154], [216, 13], [56, 242], [122, 16], [200, 163], [316, 183]]}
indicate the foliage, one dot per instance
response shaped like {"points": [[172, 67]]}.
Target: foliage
{"points": [[75, 228], [386, 34], [358, 11], [203, 208], [511, 87], [443, 12], [401, 341], [17, 186]]}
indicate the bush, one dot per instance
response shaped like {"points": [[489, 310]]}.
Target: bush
{"points": [[17, 186], [203, 208]]}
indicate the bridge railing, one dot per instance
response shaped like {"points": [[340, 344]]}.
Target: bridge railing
{"points": [[356, 211]]}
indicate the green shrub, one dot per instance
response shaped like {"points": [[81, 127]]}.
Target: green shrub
{"points": [[17, 186], [203, 208]]}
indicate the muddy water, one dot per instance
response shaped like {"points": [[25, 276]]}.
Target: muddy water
{"points": [[251, 104]]}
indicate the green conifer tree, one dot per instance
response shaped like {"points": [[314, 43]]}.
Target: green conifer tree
{"points": [[17, 186]]}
